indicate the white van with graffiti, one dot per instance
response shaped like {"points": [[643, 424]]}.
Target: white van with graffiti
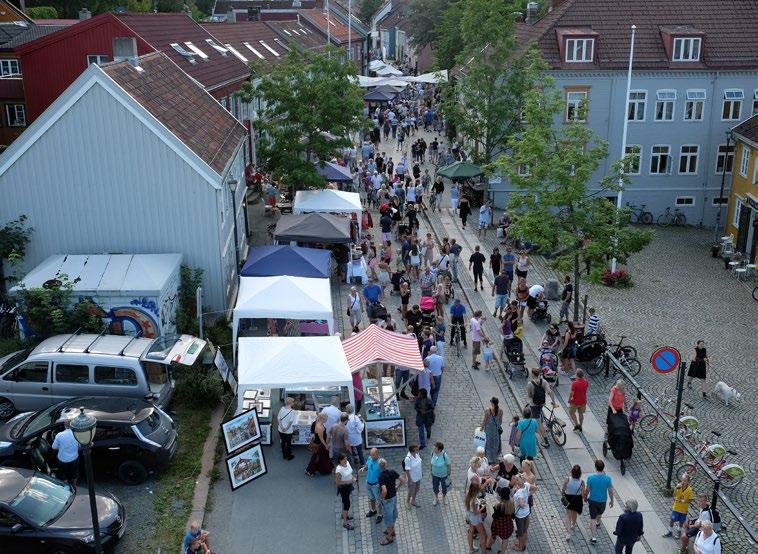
{"points": [[67, 366]]}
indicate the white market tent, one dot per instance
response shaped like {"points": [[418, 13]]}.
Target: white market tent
{"points": [[433, 77], [283, 297], [327, 201], [291, 362], [367, 82]]}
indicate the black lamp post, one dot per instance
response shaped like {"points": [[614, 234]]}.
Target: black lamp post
{"points": [[723, 179], [83, 427]]}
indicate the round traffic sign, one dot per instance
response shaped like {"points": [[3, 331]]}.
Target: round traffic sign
{"points": [[665, 359]]}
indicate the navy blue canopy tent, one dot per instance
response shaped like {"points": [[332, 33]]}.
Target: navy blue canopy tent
{"points": [[294, 261], [334, 173], [378, 96]]}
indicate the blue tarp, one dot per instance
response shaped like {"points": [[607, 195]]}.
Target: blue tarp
{"points": [[295, 261]]}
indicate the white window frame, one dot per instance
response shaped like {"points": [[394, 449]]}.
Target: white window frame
{"points": [[253, 50], [236, 53], [719, 200], [97, 59], [744, 160], [578, 106], [579, 54], [726, 155], [689, 156], [630, 150], [217, 47], [523, 170], [695, 98], [637, 103], [19, 114], [732, 97], [755, 102], [196, 50], [667, 100], [736, 214], [7, 69], [686, 49], [267, 47], [684, 201], [654, 154]]}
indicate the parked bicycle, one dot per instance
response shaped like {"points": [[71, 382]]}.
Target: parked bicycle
{"points": [[554, 425], [640, 214], [730, 475], [672, 218], [649, 422], [710, 452], [625, 354]]}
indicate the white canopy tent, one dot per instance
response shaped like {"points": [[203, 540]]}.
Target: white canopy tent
{"points": [[433, 77], [291, 362], [367, 82], [283, 297], [327, 201]]}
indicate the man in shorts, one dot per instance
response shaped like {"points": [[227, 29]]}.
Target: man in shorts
{"points": [[485, 213], [500, 292], [372, 471], [388, 489], [578, 400], [536, 292], [597, 493], [683, 494], [477, 335]]}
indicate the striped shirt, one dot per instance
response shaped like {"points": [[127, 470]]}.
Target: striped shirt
{"points": [[592, 324]]}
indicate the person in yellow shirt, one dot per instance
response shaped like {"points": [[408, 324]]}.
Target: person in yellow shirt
{"points": [[683, 495]]}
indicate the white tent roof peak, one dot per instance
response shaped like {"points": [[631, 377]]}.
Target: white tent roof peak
{"points": [[261, 297], [327, 200]]}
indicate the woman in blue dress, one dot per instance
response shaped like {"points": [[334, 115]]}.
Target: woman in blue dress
{"points": [[526, 435]]}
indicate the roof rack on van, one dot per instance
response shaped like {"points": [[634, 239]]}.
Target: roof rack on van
{"points": [[105, 328], [131, 340], [65, 342]]}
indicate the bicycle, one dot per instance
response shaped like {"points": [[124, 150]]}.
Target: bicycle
{"points": [[730, 475], [671, 218], [649, 422], [554, 425], [710, 453], [640, 214], [625, 354], [456, 331]]}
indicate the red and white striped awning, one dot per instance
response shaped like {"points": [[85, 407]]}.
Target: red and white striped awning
{"points": [[376, 345]]}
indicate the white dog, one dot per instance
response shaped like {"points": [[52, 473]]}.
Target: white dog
{"points": [[726, 393]]}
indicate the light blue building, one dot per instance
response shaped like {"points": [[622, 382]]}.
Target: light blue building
{"points": [[695, 75]]}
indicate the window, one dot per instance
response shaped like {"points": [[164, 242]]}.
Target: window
{"points": [[253, 50], [684, 201], [31, 372], [636, 107], [634, 151], [664, 105], [720, 200], [236, 52], [523, 170], [725, 159], [580, 49], [693, 107], [688, 159], [218, 48], [576, 105], [732, 104], [15, 114], [736, 214], [71, 373], [9, 67], [267, 47], [97, 58], [659, 160], [686, 49], [744, 160], [196, 50], [755, 102], [106, 375]]}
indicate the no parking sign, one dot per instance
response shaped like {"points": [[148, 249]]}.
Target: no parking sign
{"points": [[665, 359]]}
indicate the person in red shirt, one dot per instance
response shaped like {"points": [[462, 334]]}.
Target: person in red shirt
{"points": [[578, 400]]}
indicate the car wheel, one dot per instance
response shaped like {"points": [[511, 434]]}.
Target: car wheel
{"points": [[6, 408], [132, 472]]}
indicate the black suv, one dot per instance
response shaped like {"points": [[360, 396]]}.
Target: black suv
{"points": [[133, 436]]}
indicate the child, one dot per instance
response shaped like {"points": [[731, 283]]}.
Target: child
{"points": [[487, 355], [439, 335], [635, 411]]}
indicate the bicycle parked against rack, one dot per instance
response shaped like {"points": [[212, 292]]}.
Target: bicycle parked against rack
{"points": [[624, 353], [730, 475], [554, 425], [640, 214], [672, 218], [649, 422], [710, 452]]}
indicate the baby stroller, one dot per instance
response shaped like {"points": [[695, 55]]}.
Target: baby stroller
{"points": [[428, 307], [618, 438], [540, 312], [513, 356], [549, 365], [590, 347]]}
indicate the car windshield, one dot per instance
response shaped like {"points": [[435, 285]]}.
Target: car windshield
{"points": [[161, 348], [12, 360], [38, 421], [43, 500]]}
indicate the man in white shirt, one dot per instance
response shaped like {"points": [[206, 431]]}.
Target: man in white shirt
{"points": [[693, 527], [536, 292], [333, 413], [355, 433], [477, 335], [436, 364], [285, 423], [68, 455]]}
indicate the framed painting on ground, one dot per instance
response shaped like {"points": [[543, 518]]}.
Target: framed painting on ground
{"points": [[241, 430], [245, 466]]}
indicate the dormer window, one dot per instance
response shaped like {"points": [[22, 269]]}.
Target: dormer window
{"points": [[686, 49], [580, 50]]}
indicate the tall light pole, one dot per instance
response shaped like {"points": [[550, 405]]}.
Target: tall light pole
{"points": [[83, 427], [626, 126]]}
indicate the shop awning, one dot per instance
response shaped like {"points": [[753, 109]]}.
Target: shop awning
{"points": [[376, 345]]}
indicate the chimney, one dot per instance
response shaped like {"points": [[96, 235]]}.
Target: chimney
{"points": [[124, 48], [230, 18], [84, 13], [531, 12], [253, 14]]}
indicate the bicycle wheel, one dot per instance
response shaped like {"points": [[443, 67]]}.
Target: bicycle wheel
{"points": [[662, 220], [732, 476], [649, 423], [632, 366], [597, 366], [678, 455], [688, 468], [629, 351], [559, 435], [646, 218], [680, 219], [755, 293]]}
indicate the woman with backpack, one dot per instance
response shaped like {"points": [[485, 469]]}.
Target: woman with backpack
{"points": [[441, 468], [572, 494]]}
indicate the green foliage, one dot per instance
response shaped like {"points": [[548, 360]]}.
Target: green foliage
{"points": [[8, 345], [311, 106], [139, 6], [14, 238], [70, 8], [42, 12], [220, 334], [448, 42], [367, 9], [427, 17], [51, 310], [196, 387], [186, 311]]}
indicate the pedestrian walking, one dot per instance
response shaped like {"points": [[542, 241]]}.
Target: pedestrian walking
{"points": [[355, 428], [628, 528], [492, 425], [526, 435], [429, 250], [285, 421], [568, 350], [455, 255], [68, 455], [496, 262], [500, 291], [412, 464], [475, 516], [523, 264], [319, 454], [436, 364], [455, 193], [344, 478], [593, 323], [464, 210], [577, 400], [699, 363], [566, 295], [597, 493], [522, 295], [707, 541], [509, 262], [616, 399], [388, 479], [683, 495], [424, 416], [338, 439], [372, 471], [572, 498], [502, 520], [477, 336], [441, 469], [476, 263], [485, 214], [537, 390], [522, 511], [355, 309]]}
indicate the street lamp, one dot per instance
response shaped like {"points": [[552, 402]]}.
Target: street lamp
{"points": [[729, 137], [83, 427], [233, 188]]}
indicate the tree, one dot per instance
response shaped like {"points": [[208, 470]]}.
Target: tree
{"points": [[311, 106], [426, 16], [367, 9], [14, 238], [552, 167], [485, 100], [42, 12], [447, 36]]}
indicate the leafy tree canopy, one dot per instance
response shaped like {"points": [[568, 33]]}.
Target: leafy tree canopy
{"points": [[367, 9], [427, 17]]}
